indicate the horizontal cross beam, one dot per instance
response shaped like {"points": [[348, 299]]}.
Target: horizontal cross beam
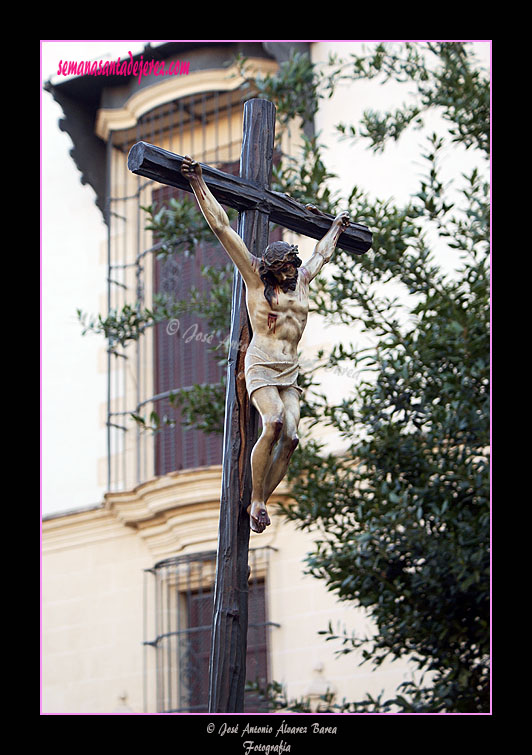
{"points": [[165, 167]]}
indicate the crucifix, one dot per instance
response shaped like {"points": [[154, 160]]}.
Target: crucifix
{"points": [[269, 312]]}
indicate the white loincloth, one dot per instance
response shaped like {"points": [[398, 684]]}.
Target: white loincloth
{"points": [[260, 371]]}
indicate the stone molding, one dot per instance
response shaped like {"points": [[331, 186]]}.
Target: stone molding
{"points": [[174, 514], [172, 87]]}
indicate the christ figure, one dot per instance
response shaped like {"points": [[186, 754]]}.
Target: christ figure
{"points": [[277, 286]]}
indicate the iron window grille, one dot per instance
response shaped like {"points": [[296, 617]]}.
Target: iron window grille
{"points": [[178, 609]]}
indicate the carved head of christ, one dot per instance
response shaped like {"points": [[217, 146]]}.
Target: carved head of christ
{"points": [[278, 267]]}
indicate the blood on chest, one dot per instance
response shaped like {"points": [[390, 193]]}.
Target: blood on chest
{"points": [[272, 320]]}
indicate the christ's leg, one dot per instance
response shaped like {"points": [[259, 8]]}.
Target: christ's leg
{"points": [[271, 409], [288, 441]]}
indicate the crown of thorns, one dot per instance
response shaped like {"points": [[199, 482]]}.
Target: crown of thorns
{"points": [[280, 253]]}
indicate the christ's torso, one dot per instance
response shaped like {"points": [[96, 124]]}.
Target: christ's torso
{"points": [[277, 328]]}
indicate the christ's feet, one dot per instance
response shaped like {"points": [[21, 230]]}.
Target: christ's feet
{"points": [[258, 516]]}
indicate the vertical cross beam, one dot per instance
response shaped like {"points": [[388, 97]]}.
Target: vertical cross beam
{"points": [[227, 667]]}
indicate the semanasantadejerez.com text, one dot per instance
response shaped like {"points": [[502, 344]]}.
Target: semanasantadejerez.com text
{"points": [[123, 68]]}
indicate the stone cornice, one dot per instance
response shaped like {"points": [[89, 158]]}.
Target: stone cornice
{"points": [[78, 528], [177, 490], [170, 88], [174, 514]]}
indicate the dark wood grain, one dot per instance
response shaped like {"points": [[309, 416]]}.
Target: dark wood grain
{"points": [[229, 637]]}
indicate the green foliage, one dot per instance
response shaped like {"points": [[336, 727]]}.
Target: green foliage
{"points": [[293, 88], [120, 326], [178, 225], [306, 178], [446, 77], [202, 408], [402, 518], [275, 697]]}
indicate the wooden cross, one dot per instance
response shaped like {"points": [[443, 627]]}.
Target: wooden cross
{"points": [[257, 205]]}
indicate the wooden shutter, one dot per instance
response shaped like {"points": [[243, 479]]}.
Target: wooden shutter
{"points": [[180, 364], [200, 607]]}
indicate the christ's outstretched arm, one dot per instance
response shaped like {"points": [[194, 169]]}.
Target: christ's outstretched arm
{"points": [[216, 217], [325, 247]]}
